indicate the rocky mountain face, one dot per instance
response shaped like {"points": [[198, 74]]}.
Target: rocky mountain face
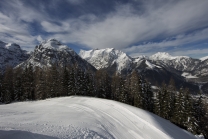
{"points": [[51, 52], [11, 55]]}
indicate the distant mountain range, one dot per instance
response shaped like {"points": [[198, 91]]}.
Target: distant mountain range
{"points": [[158, 68]]}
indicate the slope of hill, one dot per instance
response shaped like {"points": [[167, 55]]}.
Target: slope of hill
{"points": [[84, 118]]}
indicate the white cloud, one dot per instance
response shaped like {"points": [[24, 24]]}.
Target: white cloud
{"points": [[50, 27], [124, 27], [177, 41], [39, 38]]}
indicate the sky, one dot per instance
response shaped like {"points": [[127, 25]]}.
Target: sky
{"points": [[137, 27]]}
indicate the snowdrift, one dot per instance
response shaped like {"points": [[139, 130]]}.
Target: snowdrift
{"points": [[84, 118]]}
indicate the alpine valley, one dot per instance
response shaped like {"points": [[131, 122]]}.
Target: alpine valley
{"points": [[159, 68]]}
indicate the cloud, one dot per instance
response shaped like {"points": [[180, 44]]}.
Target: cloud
{"points": [[152, 24], [51, 27], [124, 27], [179, 40]]}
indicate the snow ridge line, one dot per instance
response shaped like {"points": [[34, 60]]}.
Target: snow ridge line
{"points": [[138, 118]]}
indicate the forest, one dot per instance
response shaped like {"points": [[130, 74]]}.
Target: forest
{"points": [[178, 106]]}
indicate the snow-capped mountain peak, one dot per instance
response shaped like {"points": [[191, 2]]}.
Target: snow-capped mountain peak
{"points": [[165, 56], [104, 58], [54, 44], [51, 52], [204, 58], [11, 55]]}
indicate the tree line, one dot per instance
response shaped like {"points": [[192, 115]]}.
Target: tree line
{"points": [[177, 106]]}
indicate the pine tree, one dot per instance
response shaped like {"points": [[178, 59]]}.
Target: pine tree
{"points": [[148, 102], [28, 83], [103, 84], [17, 83], [200, 115], [1, 89], [123, 96], [72, 82], [40, 85], [8, 92], [65, 82], [54, 82], [90, 85], [115, 87], [179, 110], [136, 89]]}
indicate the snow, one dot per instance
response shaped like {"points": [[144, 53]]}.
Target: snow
{"points": [[103, 58], [204, 58], [83, 118], [54, 44], [165, 56], [188, 75], [150, 65]]}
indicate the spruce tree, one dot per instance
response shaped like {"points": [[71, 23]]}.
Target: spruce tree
{"points": [[72, 82], [136, 89], [17, 83], [148, 102], [8, 92], [123, 96], [40, 85], [115, 87], [1, 89]]}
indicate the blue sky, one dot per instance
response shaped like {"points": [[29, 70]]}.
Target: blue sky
{"points": [[137, 27]]}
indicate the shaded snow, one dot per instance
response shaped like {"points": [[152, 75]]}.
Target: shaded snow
{"points": [[84, 118]]}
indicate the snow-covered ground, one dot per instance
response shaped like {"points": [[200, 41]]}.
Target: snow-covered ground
{"points": [[83, 118]]}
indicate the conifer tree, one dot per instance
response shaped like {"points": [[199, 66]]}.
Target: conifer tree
{"points": [[65, 82], [136, 89], [200, 115], [90, 85], [54, 83], [115, 87], [28, 83], [1, 89], [179, 109], [72, 82], [8, 92], [17, 83], [148, 102], [123, 96], [40, 85]]}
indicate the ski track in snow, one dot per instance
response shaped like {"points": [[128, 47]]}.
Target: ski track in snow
{"points": [[83, 118]]}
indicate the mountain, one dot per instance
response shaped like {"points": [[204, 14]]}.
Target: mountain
{"points": [[109, 58], [11, 55], [84, 118], [181, 63], [204, 58], [51, 52], [158, 68]]}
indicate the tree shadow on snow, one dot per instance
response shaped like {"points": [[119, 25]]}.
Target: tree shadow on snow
{"points": [[17, 134]]}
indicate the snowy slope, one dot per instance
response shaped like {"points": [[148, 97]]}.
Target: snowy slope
{"points": [[83, 118], [105, 58], [204, 58], [54, 52], [11, 55]]}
